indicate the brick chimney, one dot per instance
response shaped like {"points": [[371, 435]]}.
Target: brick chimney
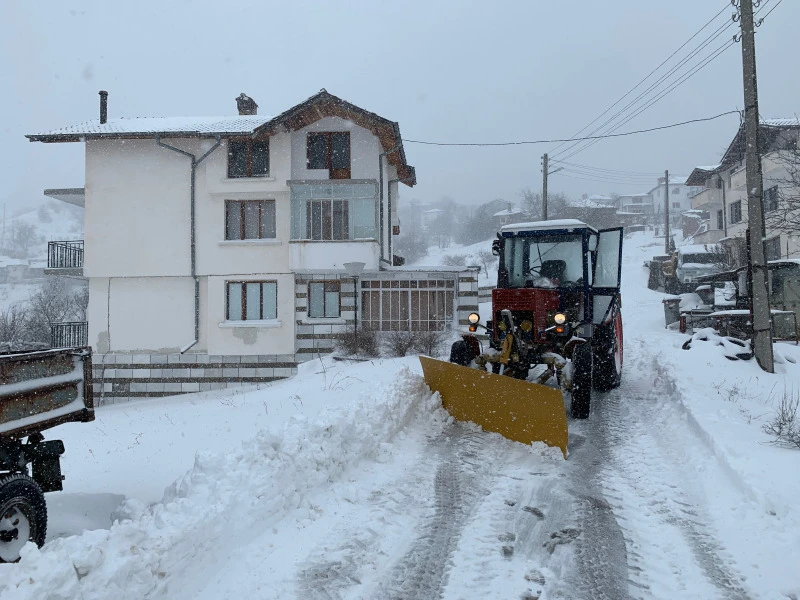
{"points": [[103, 106], [246, 105]]}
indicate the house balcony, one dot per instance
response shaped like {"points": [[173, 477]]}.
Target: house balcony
{"points": [[65, 258], [73, 334], [709, 199], [334, 222]]}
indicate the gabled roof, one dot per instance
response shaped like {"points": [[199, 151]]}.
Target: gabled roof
{"points": [[769, 130], [318, 106], [699, 175]]}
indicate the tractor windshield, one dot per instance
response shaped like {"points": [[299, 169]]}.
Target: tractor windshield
{"points": [[545, 261]]}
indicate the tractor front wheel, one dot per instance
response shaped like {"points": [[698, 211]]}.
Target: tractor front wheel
{"points": [[581, 380], [607, 372]]}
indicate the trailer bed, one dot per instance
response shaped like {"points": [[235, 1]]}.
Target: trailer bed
{"points": [[40, 390]]}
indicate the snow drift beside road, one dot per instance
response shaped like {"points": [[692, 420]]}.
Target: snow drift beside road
{"points": [[223, 494]]}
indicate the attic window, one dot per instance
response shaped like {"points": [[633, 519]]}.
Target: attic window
{"points": [[248, 158], [329, 150]]}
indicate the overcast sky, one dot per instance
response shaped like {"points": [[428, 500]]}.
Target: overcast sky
{"points": [[447, 71]]}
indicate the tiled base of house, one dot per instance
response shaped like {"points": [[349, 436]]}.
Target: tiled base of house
{"points": [[124, 377]]}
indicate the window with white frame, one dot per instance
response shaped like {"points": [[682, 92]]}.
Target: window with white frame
{"points": [[249, 219], [251, 300], [323, 299], [771, 198], [736, 211], [772, 248], [334, 211], [408, 305]]}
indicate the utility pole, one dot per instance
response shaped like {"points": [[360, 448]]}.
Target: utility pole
{"points": [[666, 212], [545, 168], [762, 331]]}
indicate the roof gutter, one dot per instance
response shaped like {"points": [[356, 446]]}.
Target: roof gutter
{"points": [[195, 161]]}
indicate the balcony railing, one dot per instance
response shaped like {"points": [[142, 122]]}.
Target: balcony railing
{"points": [[65, 255], [73, 334]]}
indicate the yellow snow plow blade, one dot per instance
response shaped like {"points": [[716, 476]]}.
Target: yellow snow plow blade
{"points": [[521, 411]]}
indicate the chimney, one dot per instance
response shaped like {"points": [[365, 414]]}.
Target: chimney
{"points": [[246, 105], [103, 106]]}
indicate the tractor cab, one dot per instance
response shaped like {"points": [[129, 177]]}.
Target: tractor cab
{"points": [[562, 268]]}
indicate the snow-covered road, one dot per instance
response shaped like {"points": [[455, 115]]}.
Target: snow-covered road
{"points": [[349, 481]]}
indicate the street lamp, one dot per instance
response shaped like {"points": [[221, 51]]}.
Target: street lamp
{"points": [[354, 269]]}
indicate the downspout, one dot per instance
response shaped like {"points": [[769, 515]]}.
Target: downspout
{"points": [[193, 252], [380, 186], [389, 208]]}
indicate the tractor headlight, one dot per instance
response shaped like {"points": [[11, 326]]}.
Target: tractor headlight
{"points": [[474, 318], [560, 318]]}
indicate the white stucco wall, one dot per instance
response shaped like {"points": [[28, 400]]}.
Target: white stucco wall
{"points": [[239, 338], [308, 256], [137, 210], [149, 314]]}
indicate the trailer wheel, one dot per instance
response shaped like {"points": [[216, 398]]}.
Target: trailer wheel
{"points": [[581, 380], [607, 372], [23, 515]]}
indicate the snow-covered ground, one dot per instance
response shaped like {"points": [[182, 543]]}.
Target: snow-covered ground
{"points": [[350, 481]]}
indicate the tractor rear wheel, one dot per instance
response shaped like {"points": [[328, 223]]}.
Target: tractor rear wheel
{"points": [[23, 515], [581, 380], [607, 372], [461, 353]]}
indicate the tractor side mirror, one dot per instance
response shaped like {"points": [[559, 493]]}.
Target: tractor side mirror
{"points": [[496, 246]]}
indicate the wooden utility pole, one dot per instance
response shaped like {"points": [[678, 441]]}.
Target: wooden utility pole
{"points": [[545, 168], [666, 212], [762, 331]]}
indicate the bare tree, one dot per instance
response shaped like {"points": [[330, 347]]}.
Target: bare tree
{"points": [[532, 204], [782, 194], [12, 325], [52, 303], [487, 259], [23, 237]]}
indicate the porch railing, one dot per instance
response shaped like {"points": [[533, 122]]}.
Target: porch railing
{"points": [[65, 255], [73, 334]]}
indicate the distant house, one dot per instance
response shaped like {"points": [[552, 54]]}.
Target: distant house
{"points": [[704, 221], [679, 194], [636, 208], [724, 191], [512, 214], [226, 250], [598, 211]]}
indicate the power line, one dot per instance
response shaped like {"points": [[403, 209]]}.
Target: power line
{"points": [[646, 77], [562, 162], [595, 137], [653, 90]]}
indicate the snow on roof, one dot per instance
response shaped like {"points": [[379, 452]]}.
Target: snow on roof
{"points": [[642, 195], [709, 167], [696, 248], [239, 124], [555, 224], [508, 212], [784, 122]]}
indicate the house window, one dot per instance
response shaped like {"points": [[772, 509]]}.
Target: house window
{"points": [[736, 211], [323, 299], [249, 219], [676, 205], [334, 211], [772, 248], [637, 200], [251, 300], [676, 191], [327, 220], [408, 305], [248, 158], [771, 198], [720, 222], [329, 150]]}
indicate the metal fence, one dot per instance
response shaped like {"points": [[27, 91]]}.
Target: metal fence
{"points": [[65, 255], [74, 334]]}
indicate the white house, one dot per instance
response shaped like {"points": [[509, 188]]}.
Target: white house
{"points": [[226, 250], [724, 191], [679, 198]]}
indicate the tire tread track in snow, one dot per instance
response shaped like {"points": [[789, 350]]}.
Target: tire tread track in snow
{"points": [[464, 455], [653, 488]]}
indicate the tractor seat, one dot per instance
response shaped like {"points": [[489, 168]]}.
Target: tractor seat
{"points": [[554, 270]]}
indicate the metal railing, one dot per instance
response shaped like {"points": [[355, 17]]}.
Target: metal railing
{"points": [[73, 334], [65, 255]]}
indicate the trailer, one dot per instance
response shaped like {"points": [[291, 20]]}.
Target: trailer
{"points": [[38, 391]]}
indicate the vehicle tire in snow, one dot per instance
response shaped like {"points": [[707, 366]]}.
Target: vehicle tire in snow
{"points": [[461, 353], [607, 368], [23, 515], [581, 380]]}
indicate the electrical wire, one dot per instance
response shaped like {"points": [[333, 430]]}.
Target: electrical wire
{"points": [[596, 137], [646, 77]]}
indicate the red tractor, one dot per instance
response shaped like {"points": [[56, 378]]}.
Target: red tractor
{"points": [[557, 304]]}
